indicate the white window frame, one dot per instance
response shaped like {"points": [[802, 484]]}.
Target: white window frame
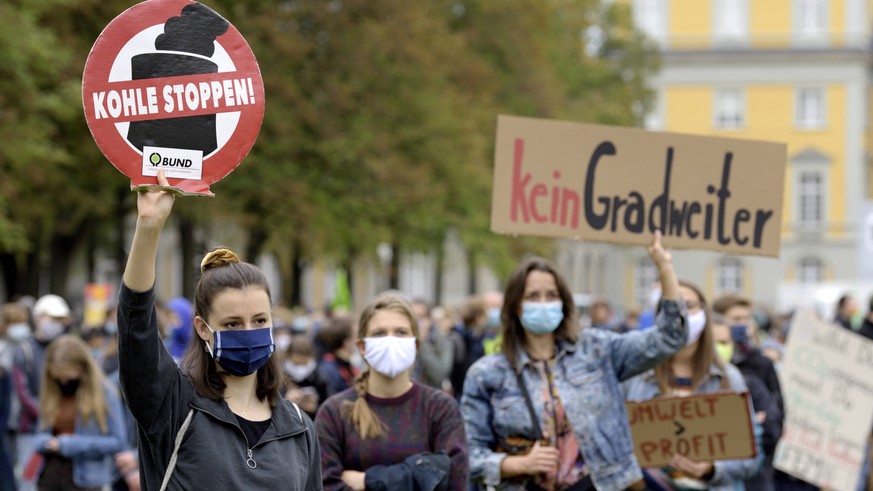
{"points": [[810, 19], [650, 17], [810, 108], [645, 275], [729, 275], [655, 119], [729, 108], [810, 270], [730, 21], [810, 199]]}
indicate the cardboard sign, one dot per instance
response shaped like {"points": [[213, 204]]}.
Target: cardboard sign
{"points": [[827, 385], [605, 183], [703, 427], [172, 85]]}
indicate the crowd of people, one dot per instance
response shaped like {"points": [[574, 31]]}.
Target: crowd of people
{"points": [[508, 391]]}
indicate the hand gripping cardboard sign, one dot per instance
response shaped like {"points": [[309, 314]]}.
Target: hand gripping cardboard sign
{"points": [[172, 85]]}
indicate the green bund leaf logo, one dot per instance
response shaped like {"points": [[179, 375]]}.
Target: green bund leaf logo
{"points": [[155, 158]]}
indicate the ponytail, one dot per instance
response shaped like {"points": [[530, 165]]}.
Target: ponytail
{"points": [[362, 417]]}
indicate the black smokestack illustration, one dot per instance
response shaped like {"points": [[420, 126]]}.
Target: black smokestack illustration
{"points": [[193, 31]]}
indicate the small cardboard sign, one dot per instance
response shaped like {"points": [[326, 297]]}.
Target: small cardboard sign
{"points": [[703, 427], [172, 85], [612, 184], [827, 385]]}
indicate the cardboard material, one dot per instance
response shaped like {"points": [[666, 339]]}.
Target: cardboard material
{"points": [[612, 184], [827, 386], [172, 85], [702, 427]]}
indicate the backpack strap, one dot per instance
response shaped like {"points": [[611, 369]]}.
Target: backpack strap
{"points": [[179, 437]]}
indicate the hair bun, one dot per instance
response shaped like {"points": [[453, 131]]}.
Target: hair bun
{"points": [[217, 258]]}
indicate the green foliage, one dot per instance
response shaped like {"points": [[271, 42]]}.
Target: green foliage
{"points": [[379, 124]]}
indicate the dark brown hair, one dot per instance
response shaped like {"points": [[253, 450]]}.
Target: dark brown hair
{"points": [[728, 301], [513, 331], [704, 357], [336, 332], [223, 270]]}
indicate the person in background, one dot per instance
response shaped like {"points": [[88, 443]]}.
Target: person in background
{"points": [[600, 313], [12, 318], [466, 340], [180, 325], [388, 432], [768, 414], [435, 353], [695, 369], [846, 309], [737, 313], [335, 366], [52, 318], [548, 410], [491, 339], [631, 320], [304, 385], [866, 328], [81, 421]]}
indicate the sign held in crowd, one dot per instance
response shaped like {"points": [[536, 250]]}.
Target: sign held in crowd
{"points": [[172, 85], [704, 427], [606, 183], [827, 383]]}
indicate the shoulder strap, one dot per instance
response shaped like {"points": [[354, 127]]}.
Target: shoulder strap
{"points": [[179, 436], [298, 413], [538, 432]]}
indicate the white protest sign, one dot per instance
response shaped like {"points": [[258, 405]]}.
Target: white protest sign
{"points": [[827, 384]]}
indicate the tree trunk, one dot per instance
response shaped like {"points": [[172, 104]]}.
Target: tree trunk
{"points": [[294, 295], [472, 263], [394, 270], [438, 277], [186, 239]]}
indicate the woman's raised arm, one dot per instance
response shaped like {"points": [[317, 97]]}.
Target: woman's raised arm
{"points": [[153, 208]]}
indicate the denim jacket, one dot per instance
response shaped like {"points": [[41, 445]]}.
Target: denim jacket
{"points": [[586, 375], [729, 474], [91, 450]]}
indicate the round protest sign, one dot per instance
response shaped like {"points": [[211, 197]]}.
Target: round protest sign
{"points": [[172, 85]]}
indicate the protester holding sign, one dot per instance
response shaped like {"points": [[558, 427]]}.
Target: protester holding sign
{"points": [[219, 423], [388, 432], [548, 409], [695, 369]]}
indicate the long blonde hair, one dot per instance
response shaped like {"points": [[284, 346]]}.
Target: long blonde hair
{"points": [[362, 417], [71, 352]]}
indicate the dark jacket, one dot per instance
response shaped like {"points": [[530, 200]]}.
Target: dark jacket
{"points": [[752, 363], [866, 329], [214, 451], [420, 472]]}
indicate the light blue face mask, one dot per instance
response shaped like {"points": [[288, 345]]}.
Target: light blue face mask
{"points": [[541, 317]]}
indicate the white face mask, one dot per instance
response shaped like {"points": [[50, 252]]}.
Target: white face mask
{"points": [[50, 329], [299, 372], [696, 323], [390, 355], [18, 332]]}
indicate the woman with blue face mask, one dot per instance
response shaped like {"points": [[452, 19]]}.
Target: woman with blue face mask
{"points": [[547, 412], [217, 421]]}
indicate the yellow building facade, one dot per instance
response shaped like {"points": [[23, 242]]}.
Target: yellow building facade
{"points": [[795, 71]]}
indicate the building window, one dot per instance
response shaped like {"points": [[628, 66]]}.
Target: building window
{"points": [[731, 20], [650, 17], [646, 276], [810, 270], [810, 17], [729, 109], [810, 108], [810, 195], [654, 118], [729, 277]]}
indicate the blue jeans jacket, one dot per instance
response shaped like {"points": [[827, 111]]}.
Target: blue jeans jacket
{"points": [[91, 450], [586, 376], [729, 474]]}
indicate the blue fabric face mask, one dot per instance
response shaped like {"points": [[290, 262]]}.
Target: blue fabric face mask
{"points": [[242, 352], [541, 317], [739, 334]]}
